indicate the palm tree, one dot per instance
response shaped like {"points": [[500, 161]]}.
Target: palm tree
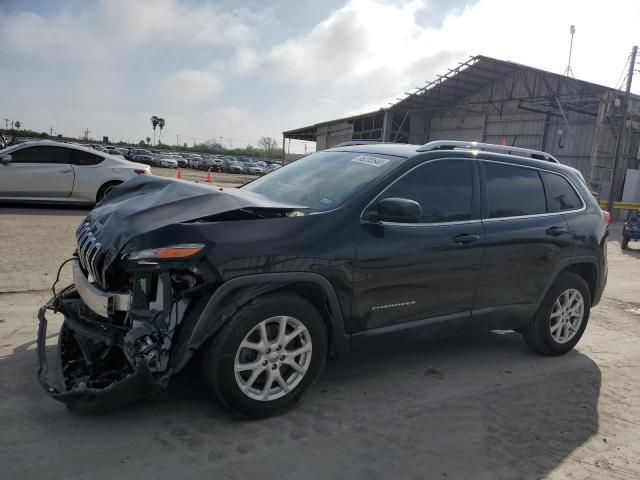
{"points": [[154, 124], [17, 125], [161, 126], [148, 140]]}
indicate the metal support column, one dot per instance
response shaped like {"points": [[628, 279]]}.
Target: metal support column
{"points": [[614, 192]]}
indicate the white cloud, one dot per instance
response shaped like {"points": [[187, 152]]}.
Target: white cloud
{"points": [[191, 85], [109, 29], [377, 50]]}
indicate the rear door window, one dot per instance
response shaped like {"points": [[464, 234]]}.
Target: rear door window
{"points": [[513, 191], [561, 196]]}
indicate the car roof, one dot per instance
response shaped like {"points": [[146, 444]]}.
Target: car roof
{"points": [[53, 143], [398, 149], [409, 150]]}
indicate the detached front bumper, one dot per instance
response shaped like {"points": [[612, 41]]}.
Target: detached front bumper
{"points": [[102, 303], [91, 370]]}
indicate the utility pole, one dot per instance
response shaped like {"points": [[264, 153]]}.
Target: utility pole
{"points": [[568, 72], [6, 124], [86, 134], [51, 131], [177, 140], [11, 124], [625, 106]]}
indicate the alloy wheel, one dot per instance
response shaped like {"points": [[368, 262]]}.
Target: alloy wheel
{"points": [[273, 358], [566, 315]]}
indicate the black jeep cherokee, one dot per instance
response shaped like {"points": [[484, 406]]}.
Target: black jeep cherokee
{"points": [[351, 247]]}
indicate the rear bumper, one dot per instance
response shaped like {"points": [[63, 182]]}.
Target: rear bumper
{"points": [[71, 378]]}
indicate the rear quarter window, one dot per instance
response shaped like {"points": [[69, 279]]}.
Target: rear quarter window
{"points": [[85, 158], [561, 196]]}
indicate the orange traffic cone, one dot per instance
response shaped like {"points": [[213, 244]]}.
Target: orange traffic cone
{"points": [[179, 174], [208, 180]]}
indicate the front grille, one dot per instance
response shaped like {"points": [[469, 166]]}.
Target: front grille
{"points": [[89, 249]]}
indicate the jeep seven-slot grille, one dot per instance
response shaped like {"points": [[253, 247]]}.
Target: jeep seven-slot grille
{"points": [[89, 249]]}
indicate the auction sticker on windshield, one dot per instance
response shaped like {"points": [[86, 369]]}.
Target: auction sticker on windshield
{"points": [[369, 160]]}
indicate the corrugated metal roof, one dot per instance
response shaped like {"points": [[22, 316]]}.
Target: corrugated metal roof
{"points": [[469, 77], [447, 90]]}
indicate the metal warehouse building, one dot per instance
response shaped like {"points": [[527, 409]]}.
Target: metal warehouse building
{"points": [[496, 101]]}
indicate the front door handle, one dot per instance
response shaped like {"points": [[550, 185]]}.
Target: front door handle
{"points": [[66, 170], [464, 239], [555, 231]]}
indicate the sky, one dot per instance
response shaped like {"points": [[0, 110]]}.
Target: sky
{"points": [[233, 71]]}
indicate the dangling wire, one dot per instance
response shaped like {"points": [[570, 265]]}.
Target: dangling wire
{"points": [[53, 287]]}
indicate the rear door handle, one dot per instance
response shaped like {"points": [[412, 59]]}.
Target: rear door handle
{"points": [[465, 239], [555, 231], [68, 170]]}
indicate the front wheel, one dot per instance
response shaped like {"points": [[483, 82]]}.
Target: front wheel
{"points": [[266, 357], [562, 316]]}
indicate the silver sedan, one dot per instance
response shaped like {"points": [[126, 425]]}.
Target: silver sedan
{"points": [[56, 172]]}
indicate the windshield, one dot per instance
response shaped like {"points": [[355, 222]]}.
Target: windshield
{"points": [[323, 180]]}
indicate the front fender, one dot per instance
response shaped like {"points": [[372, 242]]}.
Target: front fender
{"points": [[236, 292]]}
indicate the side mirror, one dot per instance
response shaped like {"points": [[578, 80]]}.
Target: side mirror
{"points": [[397, 210], [5, 159]]}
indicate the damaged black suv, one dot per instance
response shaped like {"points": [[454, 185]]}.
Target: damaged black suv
{"points": [[355, 246]]}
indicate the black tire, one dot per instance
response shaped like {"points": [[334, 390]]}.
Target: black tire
{"points": [[625, 243], [538, 333], [104, 189], [219, 355]]}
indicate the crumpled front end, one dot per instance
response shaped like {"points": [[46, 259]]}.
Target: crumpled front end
{"points": [[142, 275], [113, 347]]}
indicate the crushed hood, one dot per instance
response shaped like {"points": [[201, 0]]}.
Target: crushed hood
{"points": [[146, 203]]}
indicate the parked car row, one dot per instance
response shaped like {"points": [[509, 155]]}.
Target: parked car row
{"points": [[205, 162], [240, 165]]}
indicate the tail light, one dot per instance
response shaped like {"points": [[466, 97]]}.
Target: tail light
{"points": [[607, 216], [140, 171]]}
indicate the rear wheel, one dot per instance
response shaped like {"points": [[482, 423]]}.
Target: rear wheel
{"points": [[562, 316], [625, 243], [106, 188], [267, 356]]}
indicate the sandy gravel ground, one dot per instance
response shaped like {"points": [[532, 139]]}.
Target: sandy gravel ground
{"points": [[475, 406]]}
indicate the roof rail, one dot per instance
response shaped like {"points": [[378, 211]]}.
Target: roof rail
{"points": [[356, 142], [490, 147]]}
